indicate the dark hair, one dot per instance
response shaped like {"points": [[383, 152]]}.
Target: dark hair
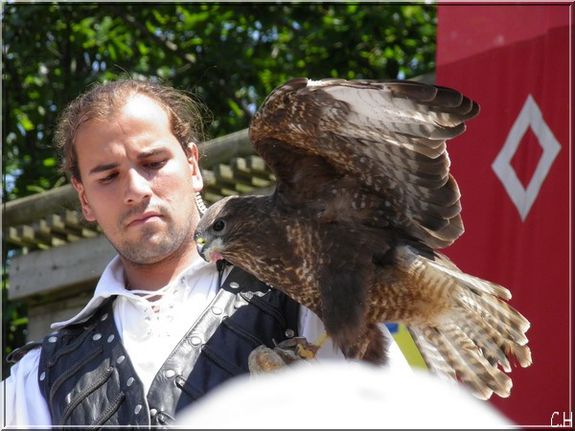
{"points": [[105, 99]]}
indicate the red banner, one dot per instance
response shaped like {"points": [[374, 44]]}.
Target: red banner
{"points": [[512, 166]]}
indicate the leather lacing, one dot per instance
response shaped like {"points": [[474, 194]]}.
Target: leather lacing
{"points": [[241, 332], [112, 408], [190, 391], [224, 364], [65, 349], [73, 370], [87, 391], [17, 354]]}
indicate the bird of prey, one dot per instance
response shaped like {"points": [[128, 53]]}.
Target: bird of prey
{"points": [[363, 203]]}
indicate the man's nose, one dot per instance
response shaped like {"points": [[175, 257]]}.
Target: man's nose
{"points": [[138, 187]]}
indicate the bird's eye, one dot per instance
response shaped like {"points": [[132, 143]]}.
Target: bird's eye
{"points": [[219, 225]]}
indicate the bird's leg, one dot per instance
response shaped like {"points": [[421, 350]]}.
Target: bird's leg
{"points": [[264, 359], [370, 347], [306, 350]]}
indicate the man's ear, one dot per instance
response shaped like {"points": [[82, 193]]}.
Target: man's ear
{"points": [[86, 208], [193, 157]]}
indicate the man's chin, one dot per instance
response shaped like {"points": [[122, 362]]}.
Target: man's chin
{"points": [[147, 252]]}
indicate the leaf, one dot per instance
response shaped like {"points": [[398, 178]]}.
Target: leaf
{"points": [[235, 108], [24, 121], [49, 162]]}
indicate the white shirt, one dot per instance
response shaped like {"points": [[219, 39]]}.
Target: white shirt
{"points": [[149, 331]]}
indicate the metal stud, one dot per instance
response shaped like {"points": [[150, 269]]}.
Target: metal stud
{"points": [[138, 408], [170, 373], [289, 333], [96, 337], [216, 310], [43, 376], [196, 341], [110, 338], [104, 317], [130, 381], [234, 285], [153, 412], [120, 359], [52, 339]]}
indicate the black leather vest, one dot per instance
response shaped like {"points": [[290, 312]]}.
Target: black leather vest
{"points": [[87, 377]]}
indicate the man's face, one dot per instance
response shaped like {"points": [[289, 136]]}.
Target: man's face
{"points": [[138, 183]]}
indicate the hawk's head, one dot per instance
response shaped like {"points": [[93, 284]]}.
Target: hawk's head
{"points": [[227, 228]]}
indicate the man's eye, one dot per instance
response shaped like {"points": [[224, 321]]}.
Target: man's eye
{"points": [[108, 178], [156, 165]]}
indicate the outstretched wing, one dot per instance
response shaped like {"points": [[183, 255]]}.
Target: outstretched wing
{"points": [[382, 140]]}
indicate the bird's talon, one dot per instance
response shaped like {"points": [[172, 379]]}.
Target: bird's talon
{"points": [[308, 352]]}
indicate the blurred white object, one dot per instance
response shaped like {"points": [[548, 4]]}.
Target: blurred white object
{"points": [[341, 394]]}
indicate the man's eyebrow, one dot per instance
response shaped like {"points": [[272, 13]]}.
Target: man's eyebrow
{"points": [[102, 168], [151, 152], [143, 155]]}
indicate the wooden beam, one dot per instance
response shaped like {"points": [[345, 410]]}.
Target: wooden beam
{"points": [[32, 208], [225, 148], [43, 272]]}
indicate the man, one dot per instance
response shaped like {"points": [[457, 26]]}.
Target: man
{"points": [[164, 327]]}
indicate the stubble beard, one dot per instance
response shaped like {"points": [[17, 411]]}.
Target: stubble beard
{"points": [[155, 245]]}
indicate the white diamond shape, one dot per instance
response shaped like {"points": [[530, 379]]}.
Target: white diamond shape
{"points": [[530, 116]]}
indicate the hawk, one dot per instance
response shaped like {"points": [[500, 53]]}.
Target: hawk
{"points": [[363, 203]]}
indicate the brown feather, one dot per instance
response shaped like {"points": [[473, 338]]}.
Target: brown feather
{"points": [[364, 199]]}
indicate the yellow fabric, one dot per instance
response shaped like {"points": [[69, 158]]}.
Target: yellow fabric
{"points": [[408, 348]]}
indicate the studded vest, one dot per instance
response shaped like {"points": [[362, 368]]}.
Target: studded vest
{"points": [[87, 377]]}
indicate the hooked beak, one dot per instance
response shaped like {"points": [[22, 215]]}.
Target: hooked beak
{"points": [[207, 252], [200, 245]]}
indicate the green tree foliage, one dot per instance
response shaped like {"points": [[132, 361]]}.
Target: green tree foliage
{"points": [[230, 56]]}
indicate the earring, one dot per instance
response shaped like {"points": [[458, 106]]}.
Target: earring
{"points": [[200, 204]]}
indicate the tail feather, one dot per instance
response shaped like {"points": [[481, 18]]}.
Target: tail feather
{"points": [[431, 356], [467, 363], [488, 340], [477, 335], [497, 315], [521, 353], [471, 282], [464, 372], [470, 354]]}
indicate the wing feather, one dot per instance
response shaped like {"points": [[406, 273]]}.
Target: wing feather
{"points": [[388, 135]]}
